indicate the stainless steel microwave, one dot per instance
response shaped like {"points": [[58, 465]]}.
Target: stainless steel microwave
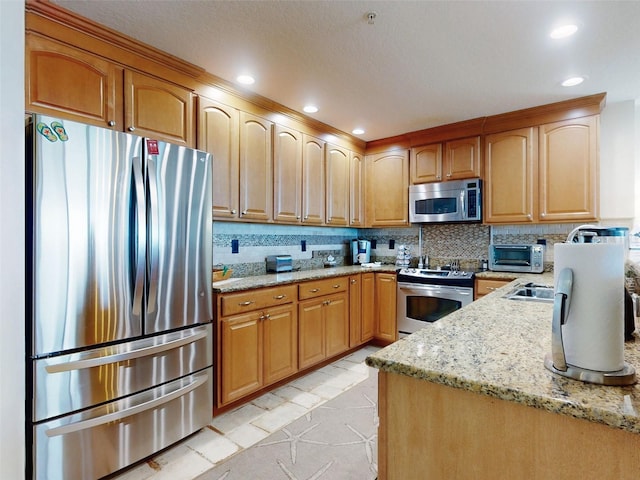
{"points": [[516, 258], [446, 202]]}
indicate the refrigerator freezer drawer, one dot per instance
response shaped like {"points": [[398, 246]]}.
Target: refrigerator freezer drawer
{"points": [[102, 440], [68, 383]]}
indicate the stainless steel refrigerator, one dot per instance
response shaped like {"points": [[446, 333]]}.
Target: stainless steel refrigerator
{"points": [[120, 310]]}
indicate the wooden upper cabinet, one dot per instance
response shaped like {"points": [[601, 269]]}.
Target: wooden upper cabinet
{"points": [[510, 176], [256, 168], [387, 188], [356, 190], [453, 160], [426, 163], [218, 135], [68, 82], [462, 158], [337, 193], [313, 181], [543, 174], [568, 170], [158, 109], [287, 175]]}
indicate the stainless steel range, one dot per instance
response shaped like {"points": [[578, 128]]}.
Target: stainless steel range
{"points": [[425, 296]]}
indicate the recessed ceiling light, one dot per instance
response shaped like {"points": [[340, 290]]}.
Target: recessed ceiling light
{"points": [[357, 131], [573, 81], [245, 79], [564, 31], [310, 108]]}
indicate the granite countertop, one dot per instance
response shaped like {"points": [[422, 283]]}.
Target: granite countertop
{"points": [[273, 279], [496, 347]]}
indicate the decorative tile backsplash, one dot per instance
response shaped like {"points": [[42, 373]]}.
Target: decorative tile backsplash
{"points": [[309, 247]]}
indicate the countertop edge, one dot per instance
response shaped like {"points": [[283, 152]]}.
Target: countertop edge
{"points": [[552, 405]]}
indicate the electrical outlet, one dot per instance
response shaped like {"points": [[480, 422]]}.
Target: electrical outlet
{"points": [[374, 244], [235, 246], [303, 245], [392, 244]]}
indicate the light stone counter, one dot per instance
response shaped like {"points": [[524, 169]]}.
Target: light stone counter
{"points": [[273, 279], [496, 347]]}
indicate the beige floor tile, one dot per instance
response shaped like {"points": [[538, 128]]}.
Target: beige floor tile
{"points": [[268, 401], [247, 435], [295, 395], [231, 420], [279, 417], [327, 391], [211, 445], [180, 463]]}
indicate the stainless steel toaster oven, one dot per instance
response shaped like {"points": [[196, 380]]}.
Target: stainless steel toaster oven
{"points": [[516, 258]]}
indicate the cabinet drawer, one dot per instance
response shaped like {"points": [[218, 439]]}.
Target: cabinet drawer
{"points": [[318, 288], [247, 301], [483, 287]]}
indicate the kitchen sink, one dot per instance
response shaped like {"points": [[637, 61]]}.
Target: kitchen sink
{"points": [[531, 292]]}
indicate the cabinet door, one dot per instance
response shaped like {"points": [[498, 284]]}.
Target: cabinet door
{"points": [[313, 190], [386, 324], [280, 335], [356, 190], [387, 194], [426, 163], [355, 309], [218, 135], [337, 193], [311, 345], [287, 175], [568, 169], [510, 181], [462, 158], [241, 358], [158, 109], [256, 168], [65, 82], [368, 307], [336, 316]]}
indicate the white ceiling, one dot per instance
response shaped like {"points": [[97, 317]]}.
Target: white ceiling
{"points": [[421, 64]]}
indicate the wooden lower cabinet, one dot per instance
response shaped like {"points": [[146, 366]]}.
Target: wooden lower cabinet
{"points": [[257, 349], [485, 286], [361, 308], [323, 325], [385, 307], [266, 335]]}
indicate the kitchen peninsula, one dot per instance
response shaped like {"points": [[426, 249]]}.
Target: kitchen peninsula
{"points": [[469, 397]]}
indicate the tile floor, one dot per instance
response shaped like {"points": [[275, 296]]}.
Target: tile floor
{"points": [[238, 429]]}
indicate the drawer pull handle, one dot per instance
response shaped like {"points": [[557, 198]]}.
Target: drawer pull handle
{"points": [[246, 304], [337, 285], [279, 297], [314, 290]]}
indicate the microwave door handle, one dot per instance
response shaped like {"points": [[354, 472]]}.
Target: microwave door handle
{"points": [[462, 204]]}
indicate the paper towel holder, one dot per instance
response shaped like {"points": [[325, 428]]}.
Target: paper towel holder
{"points": [[556, 360]]}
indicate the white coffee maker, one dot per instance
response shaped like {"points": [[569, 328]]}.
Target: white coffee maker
{"points": [[360, 251]]}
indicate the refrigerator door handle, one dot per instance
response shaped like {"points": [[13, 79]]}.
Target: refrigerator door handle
{"points": [[124, 356], [141, 237], [154, 236], [115, 416]]}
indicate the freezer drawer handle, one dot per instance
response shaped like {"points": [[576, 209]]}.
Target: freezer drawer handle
{"points": [[119, 357], [114, 417]]}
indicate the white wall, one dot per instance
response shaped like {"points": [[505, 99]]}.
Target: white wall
{"points": [[618, 164], [12, 351]]}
